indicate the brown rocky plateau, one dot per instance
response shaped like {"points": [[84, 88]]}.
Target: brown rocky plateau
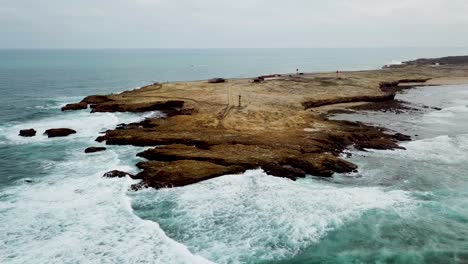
{"points": [[279, 125]]}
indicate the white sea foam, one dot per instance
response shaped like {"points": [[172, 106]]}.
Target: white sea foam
{"points": [[76, 216], [237, 218], [442, 149], [86, 125]]}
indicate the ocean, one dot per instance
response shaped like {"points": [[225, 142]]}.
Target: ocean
{"points": [[403, 206]]}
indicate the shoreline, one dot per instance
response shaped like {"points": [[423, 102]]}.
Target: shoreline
{"points": [[279, 125]]}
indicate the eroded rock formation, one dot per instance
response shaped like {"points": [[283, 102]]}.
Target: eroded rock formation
{"points": [[27, 132], [77, 106], [59, 132], [117, 174], [280, 125], [94, 149]]}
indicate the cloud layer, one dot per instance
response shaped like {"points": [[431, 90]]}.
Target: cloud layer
{"points": [[223, 23]]}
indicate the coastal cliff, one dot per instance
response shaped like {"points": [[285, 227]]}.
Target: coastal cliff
{"points": [[279, 125]]}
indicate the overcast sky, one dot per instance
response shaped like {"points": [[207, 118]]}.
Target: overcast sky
{"points": [[231, 23]]}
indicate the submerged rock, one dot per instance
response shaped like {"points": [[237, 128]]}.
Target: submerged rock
{"points": [[59, 132], [27, 132], [117, 174], [94, 149]]}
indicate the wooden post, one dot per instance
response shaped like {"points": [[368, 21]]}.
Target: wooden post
{"points": [[240, 104]]}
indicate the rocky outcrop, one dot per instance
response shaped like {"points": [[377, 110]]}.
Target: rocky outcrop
{"points": [[292, 154], [401, 137], [94, 149], [378, 143], [217, 80], [96, 99], [77, 106], [350, 99], [117, 174], [394, 86], [205, 134], [59, 132], [163, 106], [451, 60], [27, 132], [180, 173]]}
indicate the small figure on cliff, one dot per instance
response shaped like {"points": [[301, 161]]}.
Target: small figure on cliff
{"points": [[337, 74]]}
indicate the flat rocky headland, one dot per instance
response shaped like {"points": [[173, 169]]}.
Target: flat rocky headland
{"points": [[277, 123]]}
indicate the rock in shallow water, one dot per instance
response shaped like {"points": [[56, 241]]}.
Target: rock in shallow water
{"points": [[94, 149], [27, 132], [59, 132], [117, 174], [401, 137], [77, 106]]}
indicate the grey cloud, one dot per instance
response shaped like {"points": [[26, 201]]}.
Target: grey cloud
{"points": [[223, 23]]}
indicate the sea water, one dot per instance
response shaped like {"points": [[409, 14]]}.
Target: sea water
{"points": [[403, 206]]}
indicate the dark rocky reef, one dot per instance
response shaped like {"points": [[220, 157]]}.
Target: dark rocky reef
{"points": [[96, 99], [59, 132], [217, 80], [27, 132], [94, 149], [77, 106], [193, 155], [180, 173], [117, 174], [165, 107], [451, 60]]}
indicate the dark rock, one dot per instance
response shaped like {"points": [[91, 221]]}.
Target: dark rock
{"points": [[284, 171], [180, 173], [94, 149], [452, 60], [163, 106], [401, 137], [117, 174], [395, 106], [96, 99], [382, 143], [139, 186], [386, 85], [27, 132], [217, 80], [414, 80], [77, 106], [176, 112], [59, 132], [437, 108]]}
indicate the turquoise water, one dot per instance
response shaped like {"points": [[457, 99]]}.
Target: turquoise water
{"points": [[401, 207]]}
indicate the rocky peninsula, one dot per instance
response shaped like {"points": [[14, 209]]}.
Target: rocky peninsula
{"points": [[278, 122]]}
